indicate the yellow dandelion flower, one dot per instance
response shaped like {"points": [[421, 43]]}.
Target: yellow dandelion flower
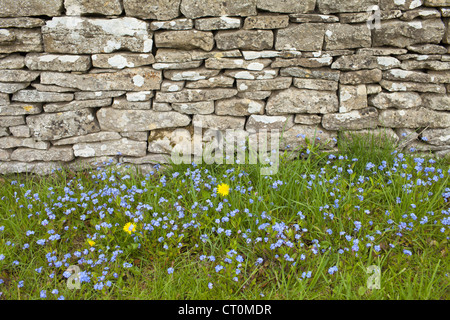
{"points": [[223, 189], [129, 227], [91, 243]]}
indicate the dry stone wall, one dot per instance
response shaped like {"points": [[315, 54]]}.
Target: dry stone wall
{"points": [[93, 80]]}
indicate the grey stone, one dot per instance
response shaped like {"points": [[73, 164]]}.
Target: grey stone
{"points": [[12, 8], [17, 109], [52, 154], [352, 97], [124, 104], [77, 105], [254, 95], [202, 8], [400, 100], [381, 51], [139, 120], [244, 39], [39, 168], [239, 107], [402, 5], [62, 63], [331, 6], [361, 76], [51, 88], [440, 102], [393, 86], [218, 122], [163, 141], [315, 84], [373, 89], [192, 75], [252, 55], [427, 13], [347, 36], [289, 6], [266, 22], [438, 137], [138, 136], [437, 3], [295, 137], [307, 119], [303, 37], [96, 95], [416, 76], [152, 9], [354, 120], [360, 61], [123, 146], [122, 60], [139, 96], [81, 7], [325, 74], [177, 24], [83, 35], [25, 40], [295, 100], [54, 126], [431, 65], [302, 62], [201, 107], [365, 17], [5, 155], [178, 56], [279, 83], [18, 75], [91, 137], [9, 121], [14, 142], [177, 65], [172, 86], [20, 131], [132, 79], [252, 75], [38, 96], [219, 23], [12, 87], [152, 158], [428, 49], [185, 39], [230, 63], [24, 22], [193, 95], [402, 34], [414, 118], [311, 17], [13, 61], [263, 122], [161, 106], [219, 81], [4, 99]]}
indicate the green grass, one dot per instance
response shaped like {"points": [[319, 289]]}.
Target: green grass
{"points": [[307, 204]]}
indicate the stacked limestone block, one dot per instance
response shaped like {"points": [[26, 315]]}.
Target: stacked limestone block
{"points": [[88, 81]]}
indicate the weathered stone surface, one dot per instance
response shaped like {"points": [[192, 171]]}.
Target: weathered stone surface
{"points": [[13, 142], [177, 65], [315, 84], [383, 51], [440, 102], [373, 88], [218, 122], [347, 36], [325, 74], [172, 86], [352, 97], [13, 61], [302, 62], [219, 81], [23, 40], [402, 5], [304, 18], [437, 3], [5, 155], [177, 24], [4, 99], [420, 57], [438, 137], [307, 119], [230, 63], [416, 76], [54, 126], [161, 106], [37, 96], [149, 158], [52, 62], [121, 60], [289, 6], [252, 55], [18, 75], [163, 141], [446, 38], [252, 75], [266, 22], [185, 39], [393, 86], [9, 121], [91, 137], [20, 131], [368, 16], [362, 76], [295, 100], [12, 87], [77, 105], [430, 64], [219, 23], [193, 95], [51, 88], [428, 49], [303, 37], [262, 122], [353, 120], [379, 136], [133, 79], [279, 83], [297, 135], [244, 39], [86, 95], [239, 107], [201, 107], [178, 56], [414, 118], [153, 9], [360, 61], [21, 22], [445, 12], [81, 7], [203, 8], [109, 148], [139, 120], [39, 168], [139, 96], [11, 8], [254, 95], [331, 6], [400, 100], [192, 75], [402, 34], [17, 109], [138, 136], [427, 13], [83, 35], [52, 154]]}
